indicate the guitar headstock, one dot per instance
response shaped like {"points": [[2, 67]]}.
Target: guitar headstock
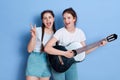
{"points": [[111, 37]]}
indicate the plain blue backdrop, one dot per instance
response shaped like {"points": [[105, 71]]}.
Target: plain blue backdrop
{"points": [[98, 19]]}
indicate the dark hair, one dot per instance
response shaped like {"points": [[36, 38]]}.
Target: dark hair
{"points": [[70, 11], [43, 26]]}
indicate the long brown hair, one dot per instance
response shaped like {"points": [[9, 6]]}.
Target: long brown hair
{"points": [[43, 26]]}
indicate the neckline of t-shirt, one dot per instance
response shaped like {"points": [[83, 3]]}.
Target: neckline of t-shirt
{"points": [[48, 34], [70, 32]]}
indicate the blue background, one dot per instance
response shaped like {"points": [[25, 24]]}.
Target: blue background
{"points": [[98, 19]]}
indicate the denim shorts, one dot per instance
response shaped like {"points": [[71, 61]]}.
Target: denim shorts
{"points": [[70, 74], [37, 65]]}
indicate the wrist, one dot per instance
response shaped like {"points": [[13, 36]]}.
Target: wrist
{"points": [[63, 53], [74, 52], [33, 38]]}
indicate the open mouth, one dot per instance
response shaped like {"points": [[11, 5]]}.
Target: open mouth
{"points": [[67, 24], [48, 23]]}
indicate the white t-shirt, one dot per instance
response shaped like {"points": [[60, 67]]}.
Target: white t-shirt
{"points": [[64, 37], [38, 39]]}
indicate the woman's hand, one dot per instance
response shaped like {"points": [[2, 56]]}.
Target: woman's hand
{"points": [[33, 31], [69, 54], [104, 42]]}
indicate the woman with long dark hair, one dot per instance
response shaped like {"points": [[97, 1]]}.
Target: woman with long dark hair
{"points": [[37, 66]]}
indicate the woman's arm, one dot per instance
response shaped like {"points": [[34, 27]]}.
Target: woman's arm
{"points": [[32, 42], [50, 50], [90, 50]]}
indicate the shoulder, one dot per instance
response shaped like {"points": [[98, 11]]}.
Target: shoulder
{"points": [[38, 28], [59, 33], [81, 33], [79, 30], [60, 30]]}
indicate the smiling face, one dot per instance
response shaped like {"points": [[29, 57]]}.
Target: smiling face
{"points": [[48, 20], [69, 20]]}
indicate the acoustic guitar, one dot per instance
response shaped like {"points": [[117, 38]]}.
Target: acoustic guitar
{"points": [[61, 63]]}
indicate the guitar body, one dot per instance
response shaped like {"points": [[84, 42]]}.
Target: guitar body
{"points": [[55, 62]]}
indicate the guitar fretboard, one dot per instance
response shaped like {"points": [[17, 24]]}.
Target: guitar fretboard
{"points": [[88, 47]]}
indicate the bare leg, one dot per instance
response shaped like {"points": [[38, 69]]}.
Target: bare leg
{"points": [[45, 78], [32, 78]]}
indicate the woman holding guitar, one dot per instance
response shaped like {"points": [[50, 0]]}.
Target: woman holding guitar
{"points": [[64, 36]]}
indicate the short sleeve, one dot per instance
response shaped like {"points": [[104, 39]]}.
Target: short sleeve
{"points": [[82, 35], [58, 34]]}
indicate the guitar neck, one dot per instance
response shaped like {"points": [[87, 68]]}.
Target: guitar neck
{"points": [[88, 47]]}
